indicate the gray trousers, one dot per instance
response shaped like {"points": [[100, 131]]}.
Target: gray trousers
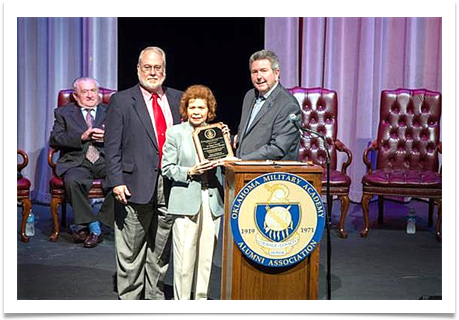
{"points": [[142, 247]]}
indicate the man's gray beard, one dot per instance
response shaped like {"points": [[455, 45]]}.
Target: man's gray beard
{"points": [[149, 88]]}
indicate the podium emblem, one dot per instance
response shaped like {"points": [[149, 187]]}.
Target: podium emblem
{"points": [[277, 222], [277, 219]]}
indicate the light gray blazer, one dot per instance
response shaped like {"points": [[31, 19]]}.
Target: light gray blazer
{"points": [[271, 135], [179, 155]]}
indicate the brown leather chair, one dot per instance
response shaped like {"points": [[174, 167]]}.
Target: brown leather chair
{"points": [[320, 113], [24, 193], [407, 146], [56, 184]]}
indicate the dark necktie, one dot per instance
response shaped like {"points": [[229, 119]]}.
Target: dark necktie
{"points": [[160, 124], [92, 154]]}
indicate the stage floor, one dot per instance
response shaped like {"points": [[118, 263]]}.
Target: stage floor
{"points": [[388, 264]]}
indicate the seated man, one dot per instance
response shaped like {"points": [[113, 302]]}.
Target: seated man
{"points": [[78, 132]]}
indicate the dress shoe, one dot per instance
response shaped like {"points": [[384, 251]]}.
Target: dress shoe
{"points": [[93, 240], [80, 235]]}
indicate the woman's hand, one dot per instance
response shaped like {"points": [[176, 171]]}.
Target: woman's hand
{"points": [[201, 167], [225, 129]]}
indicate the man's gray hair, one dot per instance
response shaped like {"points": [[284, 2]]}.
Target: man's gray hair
{"points": [[76, 81], [265, 54], [158, 50]]}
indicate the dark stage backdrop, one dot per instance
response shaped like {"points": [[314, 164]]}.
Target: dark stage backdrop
{"points": [[209, 51]]}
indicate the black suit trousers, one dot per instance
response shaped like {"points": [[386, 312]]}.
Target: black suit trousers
{"points": [[78, 182]]}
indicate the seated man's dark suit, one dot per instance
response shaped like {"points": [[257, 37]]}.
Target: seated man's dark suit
{"points": [[78, 173]]}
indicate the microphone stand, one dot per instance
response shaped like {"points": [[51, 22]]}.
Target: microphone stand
{"points": [[328, 213]]}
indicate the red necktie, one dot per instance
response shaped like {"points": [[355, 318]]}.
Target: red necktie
{"points": [[160, 123]]}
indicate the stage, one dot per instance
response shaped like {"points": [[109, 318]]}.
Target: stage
{"points": [[387, 265]]}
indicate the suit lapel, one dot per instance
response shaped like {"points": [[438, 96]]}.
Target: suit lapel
{"points": [[100, 116], [144, 116], [264, 109], [77, 116], [247, 117], [173, 100]]}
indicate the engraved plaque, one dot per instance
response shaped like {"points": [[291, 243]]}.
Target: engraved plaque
{"points": [[211, 143]]}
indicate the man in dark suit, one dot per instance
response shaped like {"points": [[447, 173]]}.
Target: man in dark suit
{"points": [[78, 132], [137, 119], [265, 132]]}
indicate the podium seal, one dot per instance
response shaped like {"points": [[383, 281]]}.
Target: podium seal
{"points": [[277, 219]]}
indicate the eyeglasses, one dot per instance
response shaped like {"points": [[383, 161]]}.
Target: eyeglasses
{"points": [[147, 68]]}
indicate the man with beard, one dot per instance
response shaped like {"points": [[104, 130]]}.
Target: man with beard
{"points": [[137, 120]]}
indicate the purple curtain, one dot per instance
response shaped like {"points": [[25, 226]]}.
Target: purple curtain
{"points": [[52, 52], [357, 57]]}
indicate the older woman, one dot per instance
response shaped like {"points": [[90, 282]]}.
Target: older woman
{"points": [[196, 198]]}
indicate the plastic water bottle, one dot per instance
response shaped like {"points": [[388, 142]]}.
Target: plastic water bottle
{"points": [[411, 221], [30, 225]]}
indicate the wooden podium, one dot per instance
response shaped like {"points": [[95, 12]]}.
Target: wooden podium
{"points": [[243, 279]]}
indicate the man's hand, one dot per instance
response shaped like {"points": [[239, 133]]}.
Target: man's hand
{"points": [[86, 136], [225, 160], [93, 134], [121, 193], [97, 135]]}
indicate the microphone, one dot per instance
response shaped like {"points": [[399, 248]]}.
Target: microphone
{"points": [[296, 120]]}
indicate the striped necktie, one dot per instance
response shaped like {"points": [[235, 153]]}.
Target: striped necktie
{"points": [[92, 154]]}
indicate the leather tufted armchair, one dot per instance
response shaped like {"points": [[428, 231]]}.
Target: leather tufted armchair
{"points": [[319, 112], [24, 193], [407, 146], [56, 184]]}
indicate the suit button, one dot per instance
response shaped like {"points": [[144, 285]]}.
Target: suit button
{"points": [[156, 169]]}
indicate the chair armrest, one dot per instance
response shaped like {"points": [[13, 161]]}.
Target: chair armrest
{"points": [[51, 162], [371, 147], [25, 160], [340, 146]]}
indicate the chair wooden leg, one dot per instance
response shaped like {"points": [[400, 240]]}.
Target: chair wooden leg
{"points": [[344, 208], [54, 206], [438, 233], [26, 206], [431, 210], [365, 208], [380, 209]]}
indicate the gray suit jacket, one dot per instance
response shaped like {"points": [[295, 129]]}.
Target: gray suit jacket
{"points": [[68, 127], [271, 135], [179, 156], [131, 147]]}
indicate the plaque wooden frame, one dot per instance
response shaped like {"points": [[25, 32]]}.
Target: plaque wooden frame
{"points": [[198, 143]]}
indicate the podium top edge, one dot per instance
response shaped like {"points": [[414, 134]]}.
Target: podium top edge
{"points": [[271, 166]]}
